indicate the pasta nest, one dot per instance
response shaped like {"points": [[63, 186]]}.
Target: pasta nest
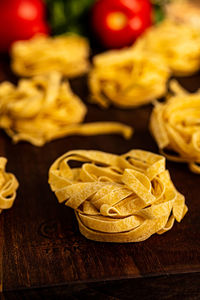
{"points": [[8, 186], [127, 78], [44, 108], [39, 109], [40, 55], [175, 125], [177, 43], [124, 198]]}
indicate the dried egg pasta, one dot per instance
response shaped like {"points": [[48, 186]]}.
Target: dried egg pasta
{"points": [[175, 126], [124, 198], [44, 108], [8, 186], [127, 78], [40, 55], [177, 43]]}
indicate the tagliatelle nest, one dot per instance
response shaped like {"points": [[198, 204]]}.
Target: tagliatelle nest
{"points": [[41, 54], [44, 108], [8, 186], [127, 78], [185, 11], [175, 125], [124, 198], [177, 43]]}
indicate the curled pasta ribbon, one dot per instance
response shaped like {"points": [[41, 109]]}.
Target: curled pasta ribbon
{"points": [[44, 108], [127, 78], [40, 55], [177, 43], [175, 126], [184, 11], [8, 186], [124, 198]]}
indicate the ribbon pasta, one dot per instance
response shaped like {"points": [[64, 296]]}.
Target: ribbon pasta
{"points": [[127, 78], [124, 198], [44, 108], [177, 43], [137, 75], [8, 186], [40, 55], [175, 126]]}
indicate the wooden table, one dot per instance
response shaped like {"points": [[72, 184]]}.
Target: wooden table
{"points": [[42, 253]]}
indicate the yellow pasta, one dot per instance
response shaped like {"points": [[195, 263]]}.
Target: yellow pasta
{"points": [[127, 78], [8, 186], [124, 198], [44, 108], [177, 43], [40, 55], [184, 11], [175, 126], [139, 74]]}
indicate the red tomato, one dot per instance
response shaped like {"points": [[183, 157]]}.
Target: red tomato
{"points": [[20, 20], [118, 23]]}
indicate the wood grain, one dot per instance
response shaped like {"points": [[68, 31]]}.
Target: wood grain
{"points": [[42, 244]]}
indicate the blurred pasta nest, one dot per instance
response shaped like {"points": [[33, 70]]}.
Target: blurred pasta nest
{"points": [[8, 186], [44, 108], [39, 109], [117, 198], [39, 55], [177, 43], [175, 124], [139, 74], [127, 78]]}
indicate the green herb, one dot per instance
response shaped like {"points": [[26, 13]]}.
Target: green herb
{"points": [[158, 13], [69, 15], [159, 9]]}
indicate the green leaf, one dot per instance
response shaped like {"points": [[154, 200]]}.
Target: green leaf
{"points": [[58, 15], [68, 15], [159, 14]]}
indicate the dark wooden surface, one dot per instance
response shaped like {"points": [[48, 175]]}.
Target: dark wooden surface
{"points": [[42, 251], [173, 287]]}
